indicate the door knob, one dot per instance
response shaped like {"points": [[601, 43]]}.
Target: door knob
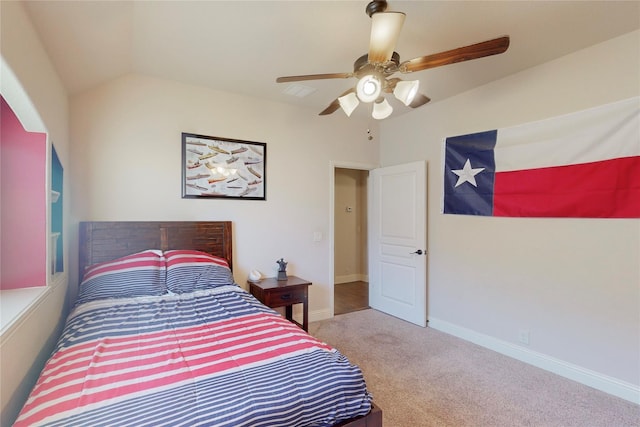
{"points": [[418, 252]]}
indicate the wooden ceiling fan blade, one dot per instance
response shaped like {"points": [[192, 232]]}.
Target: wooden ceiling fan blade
{"points": [[332, 108], [286, 79], [385, 31], [466, 53], [419, 101], [335, 104]]}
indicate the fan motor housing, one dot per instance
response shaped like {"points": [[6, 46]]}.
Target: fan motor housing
{"points": [[362, 63], [375, 7]]}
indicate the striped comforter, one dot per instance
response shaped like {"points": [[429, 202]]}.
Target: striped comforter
{"points": [[207, 358]]}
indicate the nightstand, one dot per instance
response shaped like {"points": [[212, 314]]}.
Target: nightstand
{"points": [[284, 293]]}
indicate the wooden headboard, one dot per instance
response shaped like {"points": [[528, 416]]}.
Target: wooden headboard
{"points": [[107, 240]]}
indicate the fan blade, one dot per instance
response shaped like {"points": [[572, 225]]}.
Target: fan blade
{"points": [[466, 53], [331, 108], [335, 104], [313, 77], [385, 30], [419, 101]]}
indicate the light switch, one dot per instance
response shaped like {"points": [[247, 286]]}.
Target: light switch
{"points": [[317, 236]]}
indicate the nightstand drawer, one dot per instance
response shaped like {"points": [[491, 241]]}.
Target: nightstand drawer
{"points": [[284, 297], [284, 293]]}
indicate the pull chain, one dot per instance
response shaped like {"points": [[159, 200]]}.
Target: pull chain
{"points": [[369, 134]]}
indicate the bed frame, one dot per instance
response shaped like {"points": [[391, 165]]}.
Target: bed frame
{"points": [[106, 240]]}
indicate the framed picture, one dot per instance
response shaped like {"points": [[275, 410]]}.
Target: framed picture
{"points": [[214, 167]]}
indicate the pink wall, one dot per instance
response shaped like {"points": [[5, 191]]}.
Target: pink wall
{"points": [[23, 241]]}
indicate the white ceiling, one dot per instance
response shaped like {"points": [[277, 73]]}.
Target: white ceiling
{"points": [[242, 46]]}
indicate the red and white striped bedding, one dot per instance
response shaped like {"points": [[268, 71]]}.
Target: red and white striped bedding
{"points": [[214, 357]]}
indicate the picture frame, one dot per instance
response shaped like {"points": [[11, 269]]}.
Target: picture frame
{"points": [[223, 168]]}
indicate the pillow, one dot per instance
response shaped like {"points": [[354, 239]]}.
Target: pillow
{"points": [[139, 274], [189, 270]]}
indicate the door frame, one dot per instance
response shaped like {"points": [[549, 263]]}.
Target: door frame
{"points": [[332, 196]]}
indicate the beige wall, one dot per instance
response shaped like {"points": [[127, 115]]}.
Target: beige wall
{"points": [[350, 227], [26, 346], [574, 284], [126, 161]]}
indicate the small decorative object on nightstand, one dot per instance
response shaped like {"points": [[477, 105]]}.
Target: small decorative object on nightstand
{"points": [[254, 276], [282, 269], [284, 293]]}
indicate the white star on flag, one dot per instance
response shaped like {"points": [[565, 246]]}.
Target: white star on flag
{"points": [[467, 174]]}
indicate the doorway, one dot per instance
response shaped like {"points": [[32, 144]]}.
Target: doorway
{"points": [[351, 287]]}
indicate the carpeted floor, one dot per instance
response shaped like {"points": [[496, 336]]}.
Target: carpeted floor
{"points": [[421, 377]]}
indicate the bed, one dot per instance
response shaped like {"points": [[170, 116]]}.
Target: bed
{"points": [[162, 335]]}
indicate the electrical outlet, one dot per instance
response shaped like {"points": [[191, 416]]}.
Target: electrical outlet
{"points": [[523, 336]]}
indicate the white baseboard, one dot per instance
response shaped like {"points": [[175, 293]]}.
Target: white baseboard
{"points": [[314, 316], [610, 385], [348, 278], [317, 315]]}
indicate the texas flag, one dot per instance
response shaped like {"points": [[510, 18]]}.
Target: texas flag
{"points": [[585, 164]]}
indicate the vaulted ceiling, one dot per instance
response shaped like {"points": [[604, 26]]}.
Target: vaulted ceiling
{"points": [[243, 46]]}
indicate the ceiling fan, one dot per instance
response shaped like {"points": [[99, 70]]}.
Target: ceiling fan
{"points": [[374, 69]]}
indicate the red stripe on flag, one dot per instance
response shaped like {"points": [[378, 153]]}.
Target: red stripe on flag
{"points": [[605, 189]]}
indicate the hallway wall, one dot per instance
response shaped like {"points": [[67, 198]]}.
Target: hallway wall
{"points": [[350, 213]]}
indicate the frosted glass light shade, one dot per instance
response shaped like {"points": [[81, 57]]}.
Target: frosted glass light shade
{"points": [[381, 110], [385, 30], [406, 91], [368, 88], [348, 103]]}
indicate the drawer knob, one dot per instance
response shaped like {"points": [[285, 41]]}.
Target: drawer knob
{"points": [[285, 297]]}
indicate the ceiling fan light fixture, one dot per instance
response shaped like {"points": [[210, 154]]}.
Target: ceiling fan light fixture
{"points": [[381, 109], [368, 88], [385, 30], [406, 91], [348, 102]]}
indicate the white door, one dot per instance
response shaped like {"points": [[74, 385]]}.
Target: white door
{"points": [[397, 245]]}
